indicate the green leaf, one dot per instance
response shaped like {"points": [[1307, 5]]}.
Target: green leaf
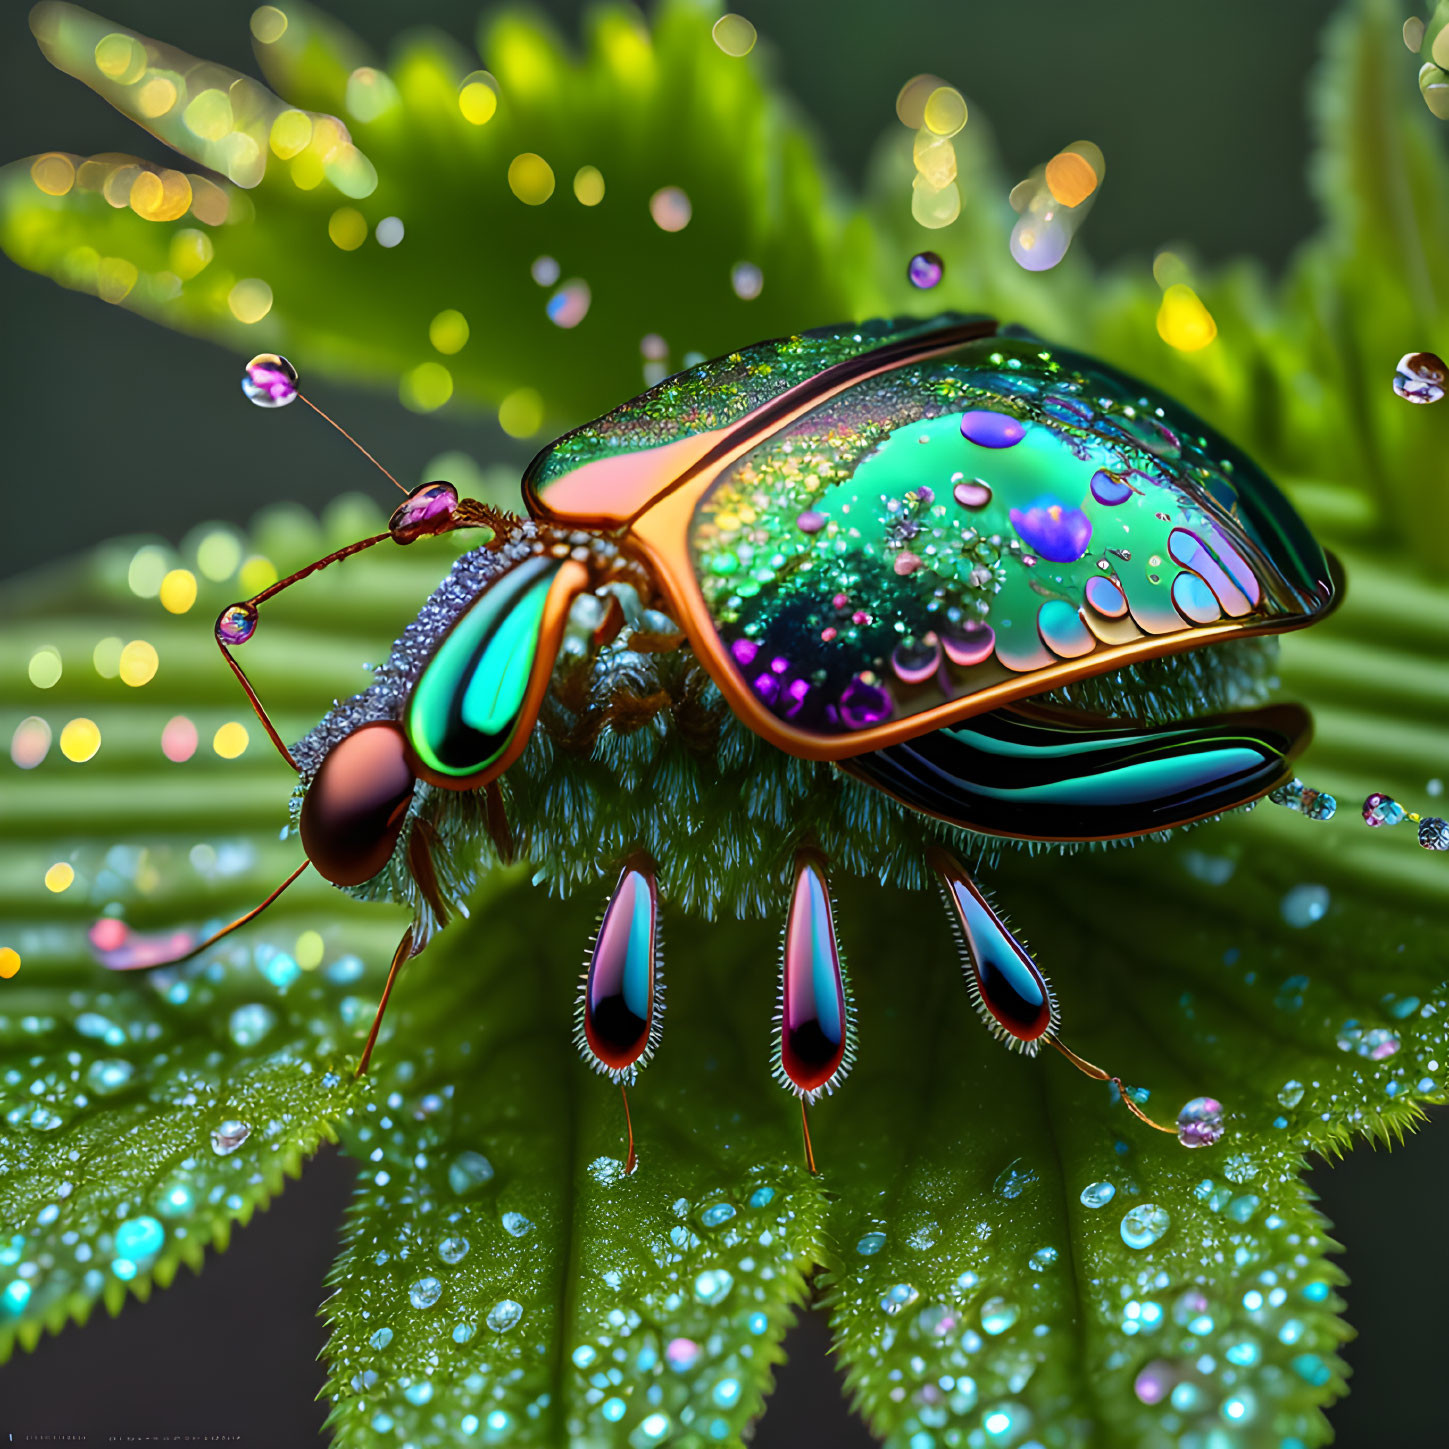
{"points": [[500, 1267], [648, 110]]}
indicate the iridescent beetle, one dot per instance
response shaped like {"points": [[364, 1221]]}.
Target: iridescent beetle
{"points": [[883, 543]]}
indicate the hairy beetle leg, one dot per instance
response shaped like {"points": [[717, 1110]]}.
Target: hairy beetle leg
{"points": [[404, 952]]}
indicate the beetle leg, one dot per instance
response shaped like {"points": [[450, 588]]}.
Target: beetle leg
{"points": [[405, 950], [621, 993], [1047, 773]]}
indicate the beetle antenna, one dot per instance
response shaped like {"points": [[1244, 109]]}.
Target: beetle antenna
{"points": [[1099, 1075], [302, 397], [118, 948]]}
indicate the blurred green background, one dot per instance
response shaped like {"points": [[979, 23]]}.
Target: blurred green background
{"points": [[1201, 114]]}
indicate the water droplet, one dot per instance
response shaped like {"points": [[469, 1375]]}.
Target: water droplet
{"points": [[1420, 377], [925, 270], [726, 1393], [897, 1297], [453, 1249], [229, 1136], [762, 1197], [463, 1332], [988, 429], [1305, 904], [1015, 1179], [270, 381], [468, 1171], [972, 493], [108, 1075], [1144, 1225], [419, 1393], [1097, 1194], [503, 1315], [139, 1239], [997, 1315], [871, 1243], [1154, 1383], [1042, 1259], [425, 1292], [381, 1338], [1290, 1094], [720, 1212], [516, 1224], [1200, 1123], [236, 623], [1434, 833], [713, 1285], [249, 1024], [923, 1235]]}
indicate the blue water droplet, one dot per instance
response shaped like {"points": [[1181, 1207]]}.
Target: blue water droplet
{"points": [[584, 1355], [425, 1292], [1144, 1225], [453, 1248], [139, 1238], [503, 1315], [761, 1197], [463, 1332], [108, 1075], [897, 1297], [249, 1024], [759, 1322], [997, 1315], [720, 1212], [468, 1171], [1305, 904], [1042, 1259], [870, 1244], [613, 1409], [418, 1393], [381, 1338], [713, 1285], [516, 1224], [726, 1393], [1097, 1194]]}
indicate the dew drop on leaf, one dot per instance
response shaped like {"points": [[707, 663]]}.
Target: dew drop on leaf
{"points": [[453, 1248], [713, 1285], [504, 1314], [229, 1136], [1097, 1194], [1144, 1225], [425, 1292], [897, 1297], [468, 1171]]}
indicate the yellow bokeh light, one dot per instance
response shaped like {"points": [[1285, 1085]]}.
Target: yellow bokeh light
{"points": [[163, 196], [148, 568], [347, 227], [178, 591], [138, 663], [309, 950], [370, 93], [1182, 320], [935, 157], [157, 96], [257, 573], [589, 185], [80, 740], [448, 331], [291, 133], [190, 252], [106, 657], [426, 387], [121, 58], [59, 877], [945, 111], [115, 276], [218, 554], [208, 115], [44, 667], [734, 35], [209, 203], [911, 102], [935, 206], [1074, 173], [53, 173], [308, 171], [478, 101], [9, 961], [269, 24], [250, 300], [242, 159], [520, 414], [530, 178], [230, 740]]}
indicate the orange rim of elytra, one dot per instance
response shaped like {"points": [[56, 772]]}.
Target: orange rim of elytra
{"points": [[570, 581], [657, 527]]}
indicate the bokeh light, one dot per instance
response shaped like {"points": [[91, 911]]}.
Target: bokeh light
{"points": [[106, 656], [747, 281], [178, 739], [734, 35], [520, 414], [178, 591], [53, 173], [30, 743], [944, 113], [190, 252], [80, 739], [138, 663], [291, 134], [218, 554], [269, 24], [390, 231], [570, 304], [9, 962], [231, 740], [121, 58], [347, 227], [545, 271], [477, 98], [671, 209], [60, 877], [530, 178], [589, 185], [309, 950], [250, 300], [448, 331], [912, 98], [45, 667], [426, 387], [257, 573], [1182, 320]]}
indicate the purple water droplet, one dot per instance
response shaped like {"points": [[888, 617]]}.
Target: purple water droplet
{"points": [[972, 493], [426, 510], [1109, 489], [925, 270], [991, 429], [270, 381], [1105, 597], [811, 522], [1053, 530], [236, 623], [968, 644], [865, 702]]}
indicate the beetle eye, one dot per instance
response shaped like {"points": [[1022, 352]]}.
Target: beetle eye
{"points": [[354, 809]]}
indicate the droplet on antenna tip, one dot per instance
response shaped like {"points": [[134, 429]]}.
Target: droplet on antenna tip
{"points": [[270, 381]]}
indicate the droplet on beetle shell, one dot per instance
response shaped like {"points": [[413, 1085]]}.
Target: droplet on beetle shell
{"points": [[925, 270], [972, 493], [426, 510], [1007, 988], [1105, 597], [989, 429], [236, 623], [814, 1040], [620, 1003], [1421, 377], [968, 644], [1109, 488], [270, 381], [913, 661]]}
